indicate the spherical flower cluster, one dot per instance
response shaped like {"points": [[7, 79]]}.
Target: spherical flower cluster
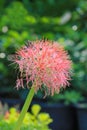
{"points": [[43, 62]]}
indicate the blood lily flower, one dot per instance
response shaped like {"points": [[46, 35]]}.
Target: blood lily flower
{"points": [[43, 62]]}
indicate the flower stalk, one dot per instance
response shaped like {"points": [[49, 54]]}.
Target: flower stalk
{"points": [[25, 108]]}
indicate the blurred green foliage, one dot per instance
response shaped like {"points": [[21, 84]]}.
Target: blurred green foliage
{"points": [[31, 19], [67, 97], [35, 120]]}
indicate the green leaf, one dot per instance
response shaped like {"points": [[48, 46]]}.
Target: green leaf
{"points": [[35, 109]]}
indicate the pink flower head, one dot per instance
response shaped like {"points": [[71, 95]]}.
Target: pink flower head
{"points": [[43, 62]]}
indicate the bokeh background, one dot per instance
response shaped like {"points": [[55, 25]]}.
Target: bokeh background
{"points": [[64, 21]]}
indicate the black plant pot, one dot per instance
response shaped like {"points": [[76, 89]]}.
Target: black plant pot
{"points": [[81, 110], [64, 117], [11, 102]]}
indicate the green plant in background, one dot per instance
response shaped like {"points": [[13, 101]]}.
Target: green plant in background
{"points": [[16, 17], [13, 40], [13, 15], [45, 19], [35, 120], [72, 97], [50, 7], [78, 54], [68, 97]]}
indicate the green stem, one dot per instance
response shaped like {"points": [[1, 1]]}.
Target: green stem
{"points": [[24, 109]]}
